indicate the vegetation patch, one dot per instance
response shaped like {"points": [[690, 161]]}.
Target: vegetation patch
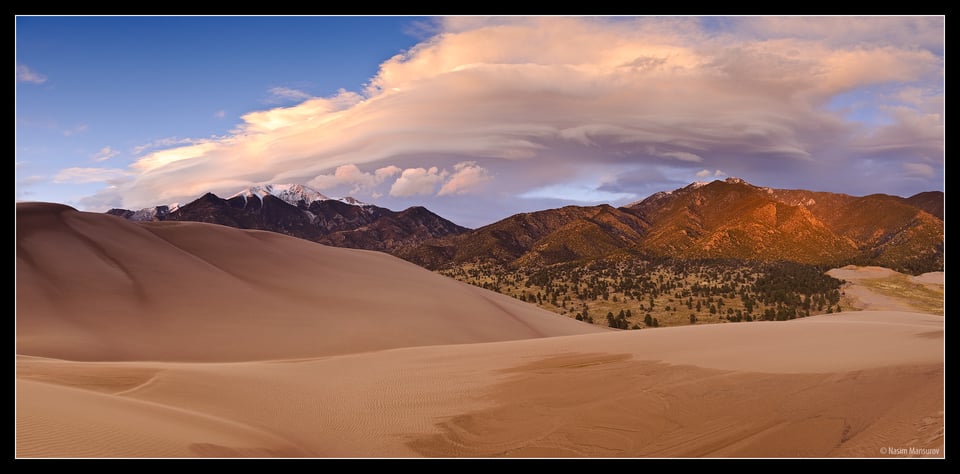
{"points": [[634, 293], [921, 297]]}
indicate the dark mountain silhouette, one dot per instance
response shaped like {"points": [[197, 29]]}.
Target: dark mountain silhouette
{"points": [[339, 222]]}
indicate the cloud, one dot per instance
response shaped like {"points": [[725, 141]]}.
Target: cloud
{"points": [[415, 181], [25, 74], [467, 177], [76, 130], [220, 114], [540, 102], [105, 154], [111, 176], [706, 173], [285, 94], [351, 175], [914, 31], [918, 170], [164, 143], [677, 155]]}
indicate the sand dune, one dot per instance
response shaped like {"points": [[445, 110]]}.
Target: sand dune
{"points": [[97, 287], [839, 385], [184, 340]]}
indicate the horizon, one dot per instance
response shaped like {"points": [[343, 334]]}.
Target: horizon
{"points": [[474, 118], [339, 197]]}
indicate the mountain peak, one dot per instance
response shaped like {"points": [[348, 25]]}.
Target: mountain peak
{"points": [[289, 193], [735, 180]]}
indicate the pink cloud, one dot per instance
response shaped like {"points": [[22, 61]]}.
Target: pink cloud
{"points": [[467, 177], [415, 181], [532, 100]]}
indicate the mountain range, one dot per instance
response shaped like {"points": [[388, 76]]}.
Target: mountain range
{"points": [[723, 219], [299, 211], [728, 219]]}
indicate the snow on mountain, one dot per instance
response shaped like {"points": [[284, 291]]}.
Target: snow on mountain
{"points": [[290, 193], [293, 194], [148, 214], [353, 201]]}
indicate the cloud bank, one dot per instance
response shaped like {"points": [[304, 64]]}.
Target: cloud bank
{"points": [[491, 108]]}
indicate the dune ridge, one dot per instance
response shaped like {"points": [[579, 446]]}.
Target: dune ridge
{"points": [[97, 287]]}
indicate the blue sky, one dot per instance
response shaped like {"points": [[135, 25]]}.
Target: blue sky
{"points": [[476, 118], [123, 82]]}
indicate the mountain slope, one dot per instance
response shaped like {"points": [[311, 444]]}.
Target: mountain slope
{"points": [[543, 237], [94, 287], [728, 219], [930, 201], [733, 218]]}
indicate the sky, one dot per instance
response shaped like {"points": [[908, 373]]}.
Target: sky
{"points": [[476, 118]]}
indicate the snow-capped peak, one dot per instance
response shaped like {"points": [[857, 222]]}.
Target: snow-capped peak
{"points": [[290, 193], [735, 180], [153, 213], [352, 201]]}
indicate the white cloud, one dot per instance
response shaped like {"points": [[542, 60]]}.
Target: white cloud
{"points": [[25, 74], [704, 173], [351, 175], [467, 177], [111, 176], [164, 143], [286, 94], [105, 154], [415, 181], [220, 114]]}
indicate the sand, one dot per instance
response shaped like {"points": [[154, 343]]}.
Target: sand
{"points": [[519, 383], [98, 287]]}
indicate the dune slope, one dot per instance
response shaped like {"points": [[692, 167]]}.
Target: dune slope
{"points": [[97, 287], [839, 385]]}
